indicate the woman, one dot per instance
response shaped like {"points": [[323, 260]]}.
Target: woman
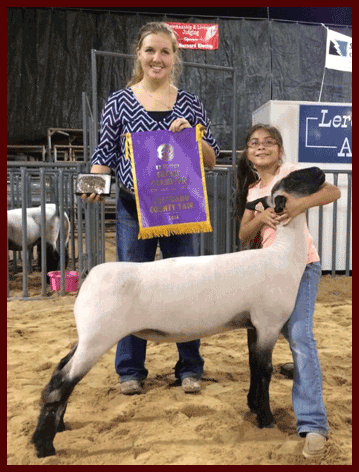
{"points": [[150, 102], [259, 168]]}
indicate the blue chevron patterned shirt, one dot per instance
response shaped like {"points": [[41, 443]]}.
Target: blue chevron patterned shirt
{"points": [[123, 113]]}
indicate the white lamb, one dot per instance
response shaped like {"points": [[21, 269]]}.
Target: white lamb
{"points": [[33, 232], [186, 298]]}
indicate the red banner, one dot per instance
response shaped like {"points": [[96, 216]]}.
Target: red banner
{"points": [[196, 36]]}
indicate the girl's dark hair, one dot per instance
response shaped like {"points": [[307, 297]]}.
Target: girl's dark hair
{"points": [[246, 173]]}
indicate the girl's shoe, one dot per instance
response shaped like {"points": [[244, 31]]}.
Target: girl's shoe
{"points": [[314, 445]]}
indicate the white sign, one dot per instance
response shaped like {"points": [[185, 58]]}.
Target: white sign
{"points": [[339, 51]]}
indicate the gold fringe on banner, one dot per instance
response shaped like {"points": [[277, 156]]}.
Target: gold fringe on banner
{"points": [[173, 229]]}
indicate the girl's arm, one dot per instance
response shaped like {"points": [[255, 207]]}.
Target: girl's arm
{"points": [[328, 193]]}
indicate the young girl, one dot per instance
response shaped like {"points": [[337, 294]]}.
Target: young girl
{"points": [[259, 168]]}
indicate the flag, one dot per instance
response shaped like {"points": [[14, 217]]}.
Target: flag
{"points": [[339, 51], [169, 182]]}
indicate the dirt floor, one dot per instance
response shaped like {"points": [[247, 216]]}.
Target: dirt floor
{"points": [[165, 426]]}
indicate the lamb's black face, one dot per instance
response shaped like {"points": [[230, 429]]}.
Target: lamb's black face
{"points": [[279, 201]]}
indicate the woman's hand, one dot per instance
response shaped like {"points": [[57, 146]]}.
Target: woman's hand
{"points": [[179, 124], [93, 198]]}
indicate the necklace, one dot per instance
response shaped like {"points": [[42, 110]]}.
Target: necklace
{"points": [[156, 99]]}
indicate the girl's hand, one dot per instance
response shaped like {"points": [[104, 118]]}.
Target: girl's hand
{"points": [[293, 207], [179, 124], [270, 218]]}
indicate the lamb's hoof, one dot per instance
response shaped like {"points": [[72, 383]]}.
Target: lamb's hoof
{"points": [[61, 427], [44, 450], [266, 422]]}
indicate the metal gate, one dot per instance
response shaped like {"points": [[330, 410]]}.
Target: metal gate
{"points": [[34, 184]]}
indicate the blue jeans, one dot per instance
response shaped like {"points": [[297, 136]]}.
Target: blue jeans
{"points": [[131, 351], [307, 394]]}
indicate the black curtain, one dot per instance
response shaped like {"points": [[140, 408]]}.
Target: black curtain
{"points": [[49, 66]]}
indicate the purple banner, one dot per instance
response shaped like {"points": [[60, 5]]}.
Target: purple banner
{"points": [[170, 186]]}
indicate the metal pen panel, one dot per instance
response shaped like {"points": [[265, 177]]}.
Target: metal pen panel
{"points": [[72, 221], [80, 239], [60, 205], [349, 226], [228, 212], [334, 231], [320, 232], [85, 127], [43, 232], [25, 261]]}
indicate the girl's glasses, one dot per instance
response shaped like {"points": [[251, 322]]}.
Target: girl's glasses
{"points": [[255, 143]]}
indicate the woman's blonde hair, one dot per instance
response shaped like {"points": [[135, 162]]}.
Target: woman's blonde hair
{"points": [[155, 28]]}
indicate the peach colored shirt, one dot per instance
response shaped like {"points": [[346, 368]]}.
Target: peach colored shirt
{"points": [[268, 234]]}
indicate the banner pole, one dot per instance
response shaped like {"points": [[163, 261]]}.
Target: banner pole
{"points": [[321, 88]]}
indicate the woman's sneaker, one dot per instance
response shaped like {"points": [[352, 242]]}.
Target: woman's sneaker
{"points": [[130, 387], [191, 385]]}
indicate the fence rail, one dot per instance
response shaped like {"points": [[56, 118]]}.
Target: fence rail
{"points": [[35, 184]]}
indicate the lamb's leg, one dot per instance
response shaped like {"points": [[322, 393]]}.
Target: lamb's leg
{"points": [[265, 418], [61, 426], [253, 389], [52, 408], [261, 372], [68, 373]]}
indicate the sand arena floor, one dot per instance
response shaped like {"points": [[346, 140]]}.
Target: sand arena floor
{"points": [[165, 426]]}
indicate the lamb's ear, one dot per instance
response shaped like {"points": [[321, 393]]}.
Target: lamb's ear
{"points": [[252, 205]]}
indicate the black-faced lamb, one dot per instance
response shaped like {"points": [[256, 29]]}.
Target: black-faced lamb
{"points": [[187, 298]]}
